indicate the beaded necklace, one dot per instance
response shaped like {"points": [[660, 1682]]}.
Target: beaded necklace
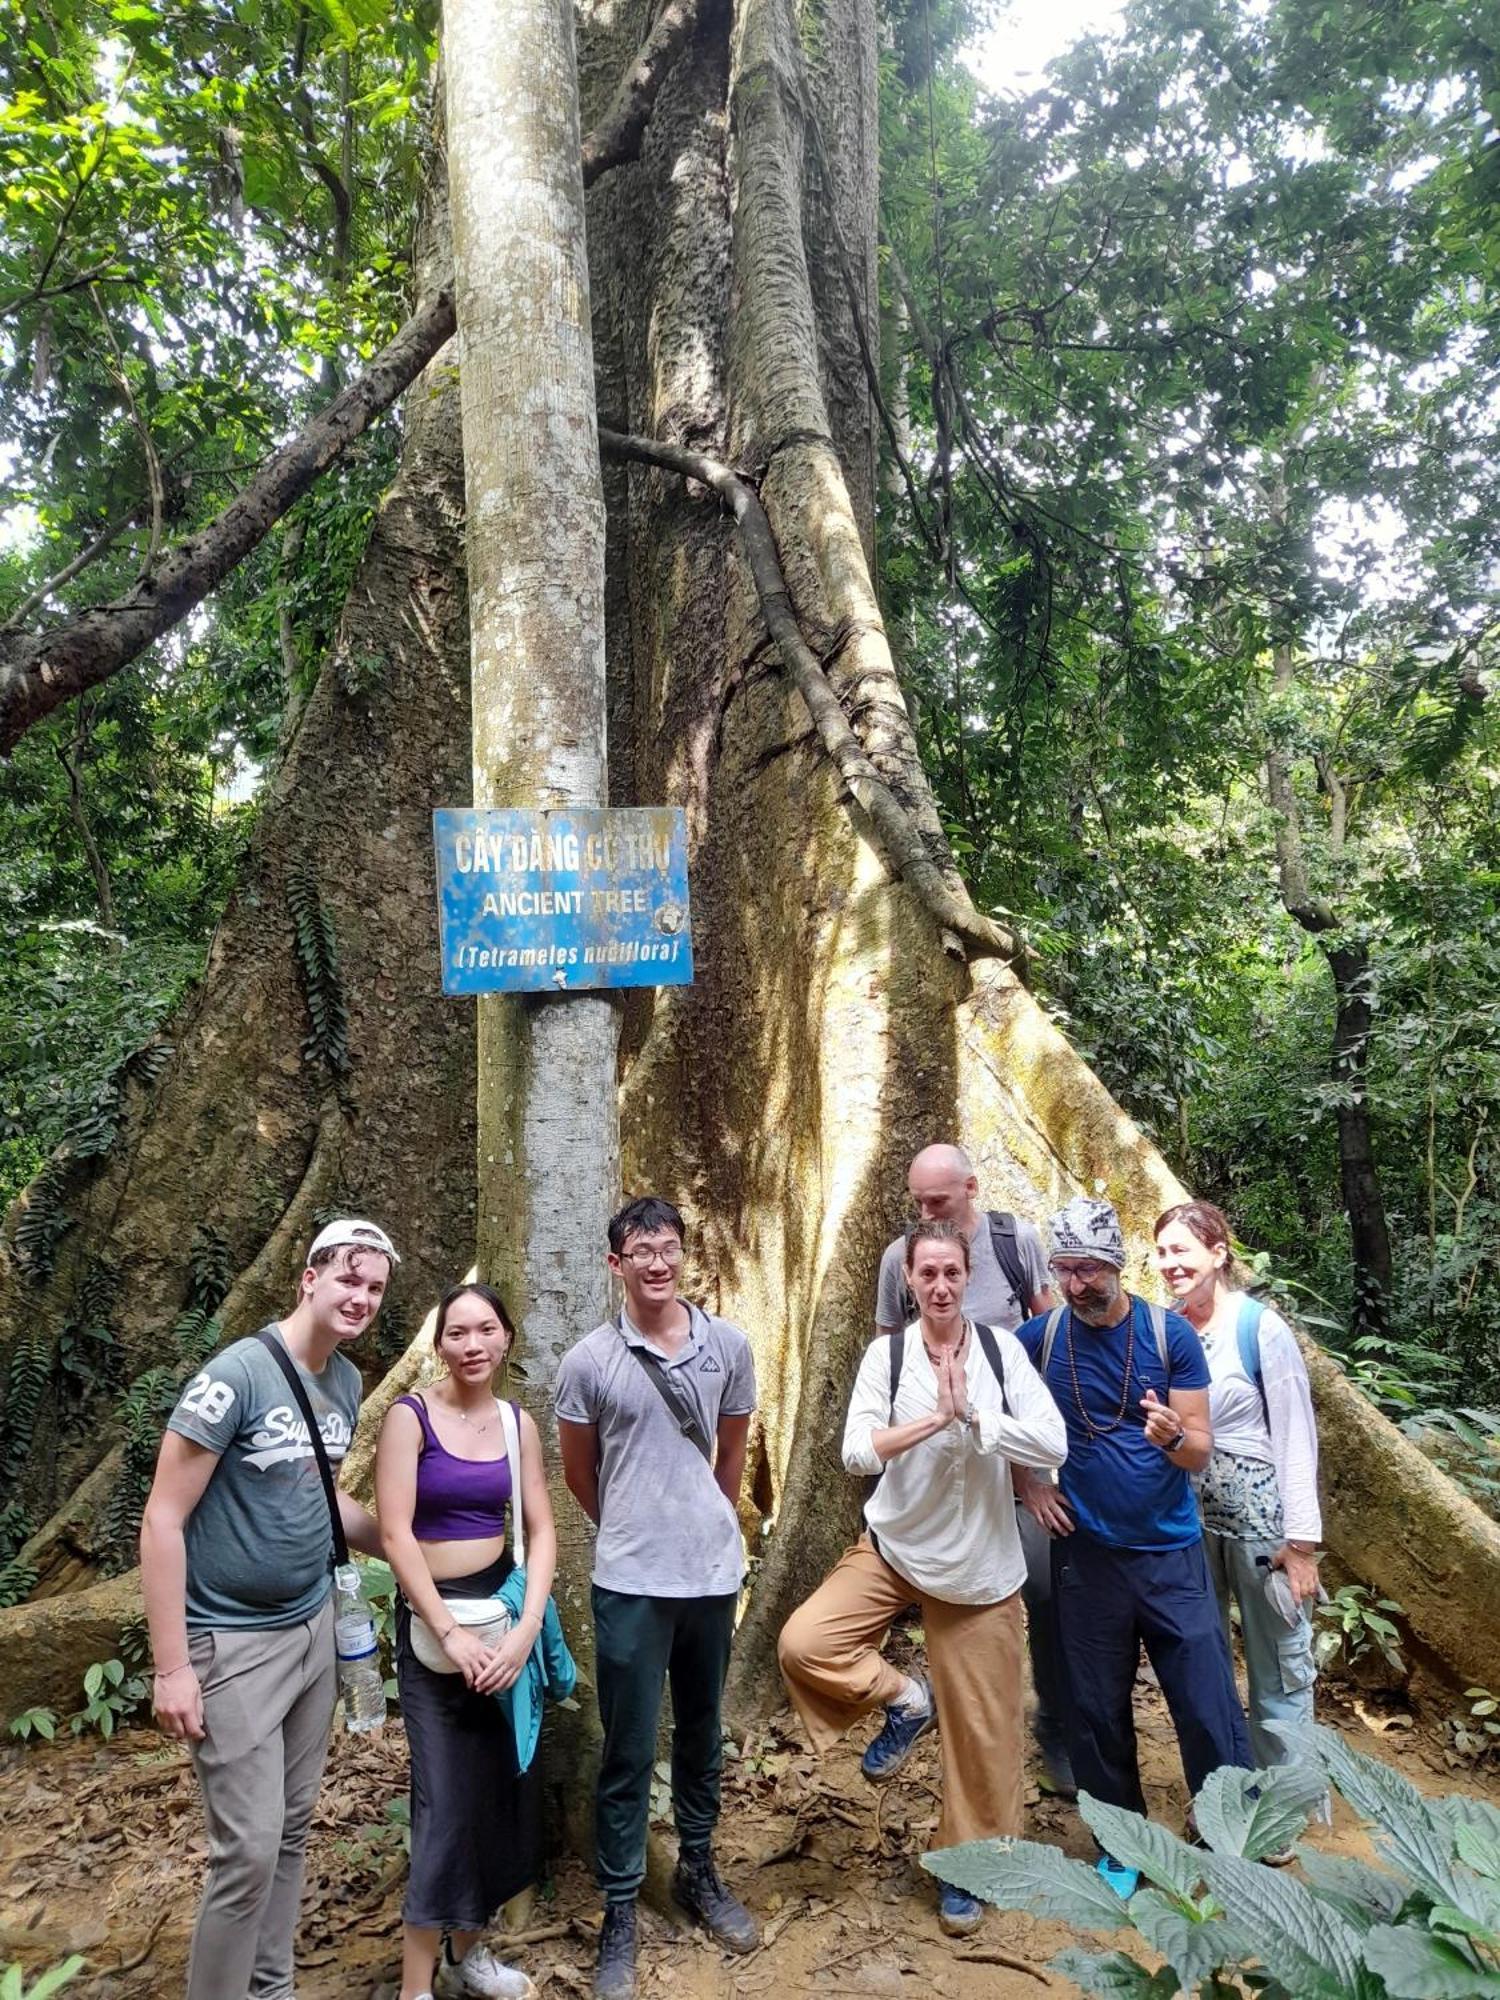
{"points": [[1092, 1429]]}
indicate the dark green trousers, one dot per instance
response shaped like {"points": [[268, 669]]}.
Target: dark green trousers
{"points": [[642, 1643]]}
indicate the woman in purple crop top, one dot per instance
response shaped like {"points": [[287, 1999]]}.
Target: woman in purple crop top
{"points": [[443, 1483]]}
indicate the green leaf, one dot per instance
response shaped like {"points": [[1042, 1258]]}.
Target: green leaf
{"points": [[1193, 1946], [1415, 1965], [1363, 1894], [1114, 1976], [1258, 1812], [1480, 1849], [1143, 1844], [54, 1978], [1275, 1920], [1414, 1833], [1024, 1875], [93, 1679]]}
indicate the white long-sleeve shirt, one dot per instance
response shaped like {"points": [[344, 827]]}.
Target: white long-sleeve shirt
{"points": [[1239, 1423], [944, 1512]]}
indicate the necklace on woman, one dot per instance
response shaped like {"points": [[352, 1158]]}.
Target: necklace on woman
{"points": [[1092, 1429], [478, 1429], [957, 1350]]}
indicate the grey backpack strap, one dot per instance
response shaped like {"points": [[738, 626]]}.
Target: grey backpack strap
{"points": [[1005, 1243], [1158, 1318], [898, 1355], [1049, 1337]]}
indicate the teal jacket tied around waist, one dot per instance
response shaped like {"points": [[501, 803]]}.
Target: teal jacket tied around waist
{"points": [[550, 1670]]}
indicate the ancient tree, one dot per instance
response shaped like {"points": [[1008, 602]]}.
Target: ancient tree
{"points": [[850, 1002]]}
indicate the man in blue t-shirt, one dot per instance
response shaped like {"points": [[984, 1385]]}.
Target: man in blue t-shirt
{"points": [[1127, 1553]]}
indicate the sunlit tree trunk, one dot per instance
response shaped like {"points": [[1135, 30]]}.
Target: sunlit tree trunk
{"points": [[548, 1158]]}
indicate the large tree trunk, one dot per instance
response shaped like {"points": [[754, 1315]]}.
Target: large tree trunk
{"points": [[830, 1031], [548, 1158]]}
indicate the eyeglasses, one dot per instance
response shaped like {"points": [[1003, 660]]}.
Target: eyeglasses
{"points": [[1083, 1273], [645, 1255]]}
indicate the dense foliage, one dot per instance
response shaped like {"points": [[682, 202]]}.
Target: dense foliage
{"points": [[207, 226], [1196, 383]]}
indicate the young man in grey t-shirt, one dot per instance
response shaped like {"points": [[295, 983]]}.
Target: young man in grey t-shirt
{"points": [[653, 1415], [236, 1569]]}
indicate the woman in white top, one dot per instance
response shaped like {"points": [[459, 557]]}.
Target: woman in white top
{"points": [[1259, 1491], [939, 1412]]}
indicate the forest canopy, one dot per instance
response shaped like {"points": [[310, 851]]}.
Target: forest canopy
{"points": [[1186, 544]]}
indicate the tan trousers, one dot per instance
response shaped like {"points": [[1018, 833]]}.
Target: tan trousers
{"points": [[834, 1672]]}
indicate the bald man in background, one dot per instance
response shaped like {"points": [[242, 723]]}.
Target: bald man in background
{"points": [[1008, 1283]]}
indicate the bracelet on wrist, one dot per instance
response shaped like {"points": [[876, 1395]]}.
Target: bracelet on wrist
{"points": [[166, 1673], [1175, 1444], [444, 1637]]}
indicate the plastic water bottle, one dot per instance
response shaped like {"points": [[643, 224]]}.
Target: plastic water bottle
{"points": [[360, 1684]]}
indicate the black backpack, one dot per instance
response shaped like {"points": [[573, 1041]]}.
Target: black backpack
{"points": [[1007, 1255]]}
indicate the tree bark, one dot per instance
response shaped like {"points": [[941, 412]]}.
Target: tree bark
{"points": [[548, 1145]]}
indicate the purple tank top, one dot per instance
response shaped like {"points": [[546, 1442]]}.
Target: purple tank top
{"points": [[458, 1499]]}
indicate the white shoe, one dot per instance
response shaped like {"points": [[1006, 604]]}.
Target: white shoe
{"points": [[483, 1976]]}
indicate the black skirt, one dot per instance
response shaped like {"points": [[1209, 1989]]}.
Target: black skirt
{"points": [[475, 1819]]}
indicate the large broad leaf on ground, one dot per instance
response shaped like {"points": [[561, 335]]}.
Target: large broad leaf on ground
{"points": [[1113, 1976], [1141, 1843], [1415, 1965], [1459, 1809], [1258, 1812], [1023, 1875], [1312, 1949], [1363, 1894], [1193, 1946], [1414, 1831]]}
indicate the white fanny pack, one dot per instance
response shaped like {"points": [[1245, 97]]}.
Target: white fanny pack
{"points": [[486, 1617]]}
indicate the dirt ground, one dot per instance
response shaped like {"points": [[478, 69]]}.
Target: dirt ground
{"points": [[102, 1845]]}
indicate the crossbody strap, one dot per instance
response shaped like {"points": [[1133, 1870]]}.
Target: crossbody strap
{"points": [[512, 1430], [288, 1367], [661, 1381]]}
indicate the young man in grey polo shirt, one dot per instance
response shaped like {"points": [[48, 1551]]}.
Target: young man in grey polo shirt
{"points": [[236, 1571], [653, 1413]]}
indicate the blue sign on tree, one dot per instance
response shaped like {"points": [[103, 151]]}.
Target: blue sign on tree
{"points": [[552, 902]]}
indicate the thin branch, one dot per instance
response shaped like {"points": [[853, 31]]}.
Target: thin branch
{"points": [[616, 139], [148, 443], [39, 673], [102, 274], [102, 543], [903, 847]]}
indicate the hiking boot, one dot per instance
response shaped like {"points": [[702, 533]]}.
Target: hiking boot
{"points": [[614, 1969], [1124, 1881], [1055, 1779], [698, 1889], [479, 1975], [904, 1728], [959, 1913]]}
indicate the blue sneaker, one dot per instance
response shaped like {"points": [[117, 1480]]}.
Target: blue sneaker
{"points": [[959, 1913], [904, 1728], [1124, 1881]]}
